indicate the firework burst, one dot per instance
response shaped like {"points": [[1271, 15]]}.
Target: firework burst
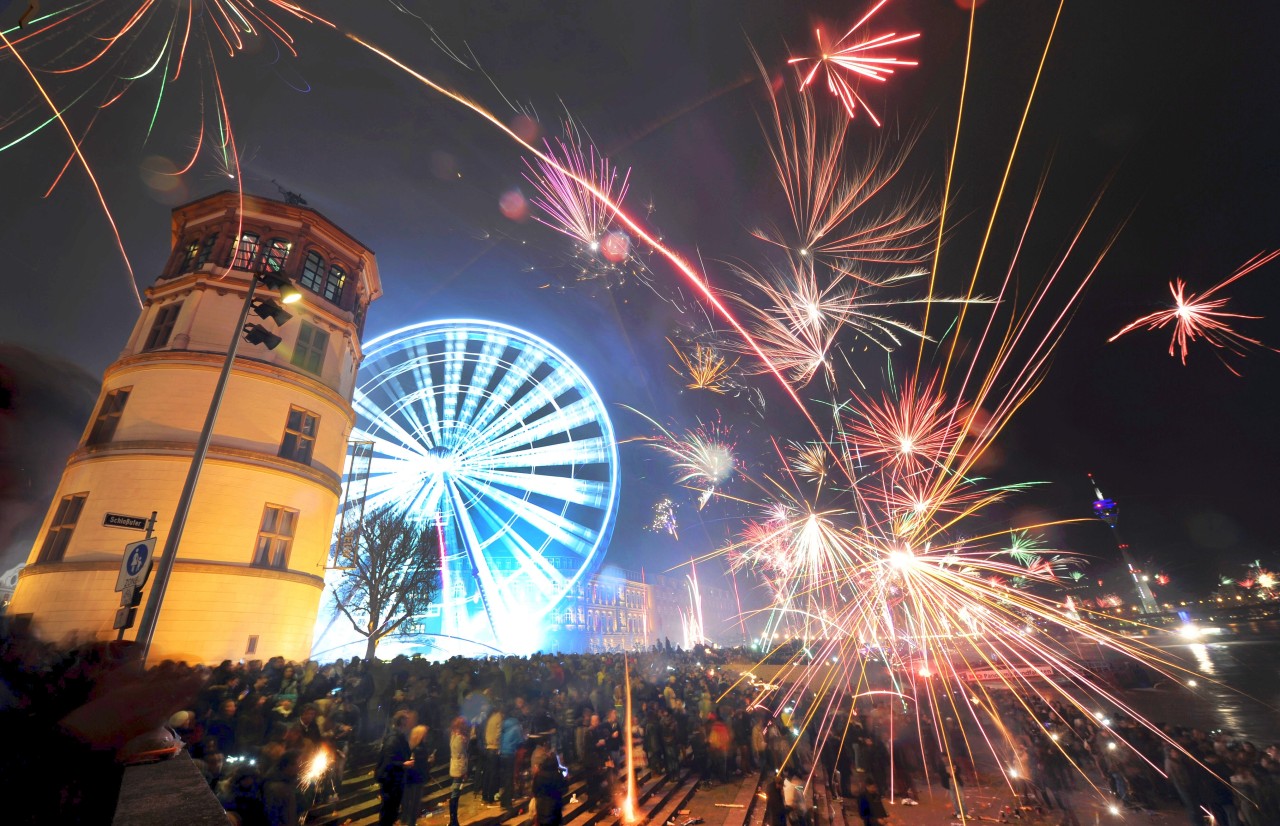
{"points": [[704, 368], [98, 51], [664, 518], [567, 205], [702, 458], [846, 216], [1203, 316], [844, 63]]}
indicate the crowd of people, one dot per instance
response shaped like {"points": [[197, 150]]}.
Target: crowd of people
{"points": [[274, 739]]}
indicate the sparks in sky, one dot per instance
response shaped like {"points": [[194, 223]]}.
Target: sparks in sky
{"points": [[704, 368], [848, 212], [702, 457], [664, 518], [916, 430], [566, 204], [1204, 316], [844, 63], [92, 53]]}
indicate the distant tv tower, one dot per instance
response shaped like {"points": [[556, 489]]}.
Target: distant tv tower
{"points": [[1108, 511]]}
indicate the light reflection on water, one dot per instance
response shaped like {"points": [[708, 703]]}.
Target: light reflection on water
{"points": [[1240, 689]]}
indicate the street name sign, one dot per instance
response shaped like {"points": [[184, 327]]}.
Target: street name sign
{"points": [[119, 520]]}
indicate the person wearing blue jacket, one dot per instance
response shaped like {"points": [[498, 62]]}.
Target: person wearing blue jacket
{"points": [[512, 738]]}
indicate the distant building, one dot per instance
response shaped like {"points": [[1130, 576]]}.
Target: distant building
{"points": [[618, 610], [249, 572]]}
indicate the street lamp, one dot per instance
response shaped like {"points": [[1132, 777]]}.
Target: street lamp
{"points": [[254, 334]]}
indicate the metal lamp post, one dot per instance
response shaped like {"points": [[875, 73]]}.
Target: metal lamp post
{"points": [[164, 568]]}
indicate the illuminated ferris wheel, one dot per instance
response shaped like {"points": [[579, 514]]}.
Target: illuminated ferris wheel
{"points": [[500, 442]]}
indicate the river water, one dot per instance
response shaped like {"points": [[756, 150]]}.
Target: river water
{"points": [[1238, 687]]}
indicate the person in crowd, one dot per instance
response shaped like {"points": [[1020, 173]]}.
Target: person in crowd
{"points": [[390, 770], [549, 789], [417, 773], [492, 757], [459, 742]]}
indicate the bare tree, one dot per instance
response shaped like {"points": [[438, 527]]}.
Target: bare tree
{"points": [[393, 576]]}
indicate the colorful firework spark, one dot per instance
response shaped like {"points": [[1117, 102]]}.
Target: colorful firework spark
{"points": [[704, 368], [96, 51], [849, 216], [1203, 316], [664, 518], [567, 205], [702, 458], [865, 58]]}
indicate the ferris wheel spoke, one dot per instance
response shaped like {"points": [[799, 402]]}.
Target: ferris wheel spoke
{"points": [[517, 375], [509, 425], [487, 362], [532, 565], [388, 452], [472, 543], [564, 419], [455, 352], [384, 427], [591, 451], [575, 537], [408, 403], [394, 489], [562, 488]]}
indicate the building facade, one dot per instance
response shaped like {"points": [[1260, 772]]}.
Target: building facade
{"points": [[618, 610], [249, 571]]}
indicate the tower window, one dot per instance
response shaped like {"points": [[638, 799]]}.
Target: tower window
{"points": [[308, 353], [206, 250], [61, 527], [246, 251], [333, 286], [189, 257], [299, 435], [275, 537], [275, 253], [162, 327], [313, 273], [108, 418]]}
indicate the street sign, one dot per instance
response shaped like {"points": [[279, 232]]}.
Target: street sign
{"points": [[119, 520], [136, 565], [125, 616]]}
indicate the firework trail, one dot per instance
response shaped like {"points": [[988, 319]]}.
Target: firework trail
{"points": [[101, 49], [862, 59], [1203, 316]]}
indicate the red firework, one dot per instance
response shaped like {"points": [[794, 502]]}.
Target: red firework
{"points": [[865, 58], [1203, 316]]}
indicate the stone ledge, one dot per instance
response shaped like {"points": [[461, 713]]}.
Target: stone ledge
{"points": [[164, 793]]}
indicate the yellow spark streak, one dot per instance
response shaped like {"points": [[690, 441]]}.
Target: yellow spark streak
{"points": [[946, 190], [1004, 180]]}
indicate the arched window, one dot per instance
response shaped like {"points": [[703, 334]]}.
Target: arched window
{"points": [[312, 272], [275, 253], [246, 251], [333, 286]]}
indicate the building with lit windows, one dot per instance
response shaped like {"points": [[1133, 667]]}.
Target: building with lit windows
{"points": [[617, 610], [250, 569]]}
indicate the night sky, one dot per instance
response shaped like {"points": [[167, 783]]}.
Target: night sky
{"points": [[1168, 109]]}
